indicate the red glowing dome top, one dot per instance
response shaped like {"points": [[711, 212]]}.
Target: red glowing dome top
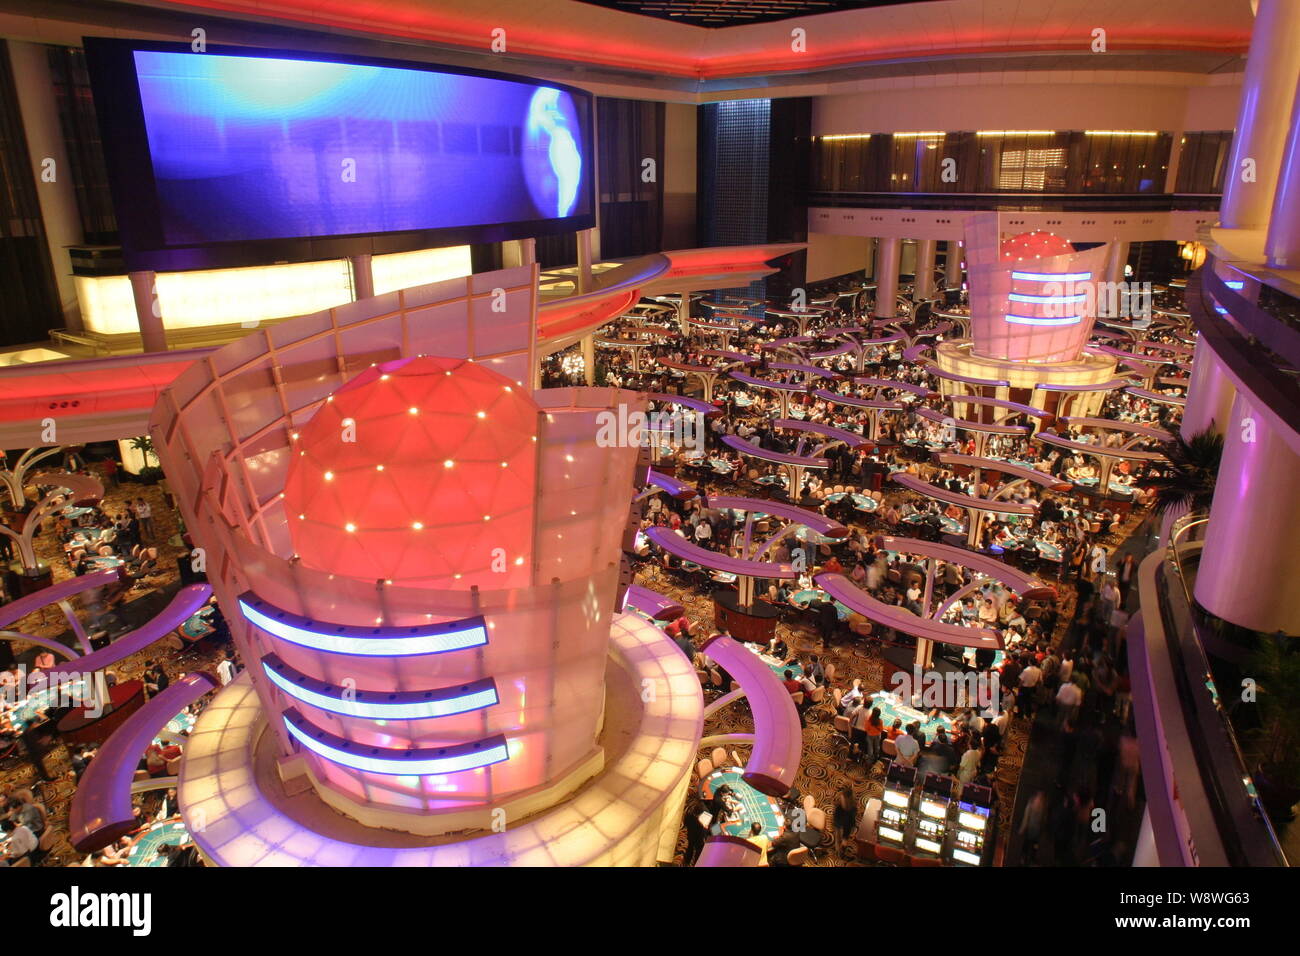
{"points": [[421, 471], [1034, 245]]}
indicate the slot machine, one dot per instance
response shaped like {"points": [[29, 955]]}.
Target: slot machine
{"points": [[932, 819], [896, 805], [974, 810]]}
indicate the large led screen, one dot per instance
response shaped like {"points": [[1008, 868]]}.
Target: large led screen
{"points": [[246, 147]]}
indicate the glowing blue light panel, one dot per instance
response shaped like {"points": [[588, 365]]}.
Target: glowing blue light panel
{"points": [[1039, 320], [365, 641], [250, 147], [385, 760], [380, 705], [1052, 276], [1048, 299]]}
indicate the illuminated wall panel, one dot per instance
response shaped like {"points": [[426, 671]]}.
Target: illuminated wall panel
{"points": [[404, 270]]}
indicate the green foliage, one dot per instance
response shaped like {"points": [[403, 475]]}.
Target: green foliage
{"points": [[1192, 471]]}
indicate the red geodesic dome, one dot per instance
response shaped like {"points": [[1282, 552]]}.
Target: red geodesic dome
{"points": [[421, 471], [1029, 246]]}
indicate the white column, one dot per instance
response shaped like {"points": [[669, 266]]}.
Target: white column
{"points": [[953, 266], [1268, 87], [1248, 574], [1210, 394], [1282, 247], [872, 243], [888, 252], [589, 358], [148, 311], [925, 255], [50, 169], [584, 261]]}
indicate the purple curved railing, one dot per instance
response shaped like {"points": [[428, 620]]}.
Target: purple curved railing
{"points": [[778, 736], [854, 402], [972, 425], [730, 355], [854, 598], [186, 601], [842, 349], [674, 543], [695, 404], [812, 370], [856, 330], [1113, 384], [1180, 401], [986, 565], [913, 352], [1127, 454], [652, 603], [1029, 410], [787, 341], [779, 457], [852, 439], [768, 383], [966, 379], [685, 367], [813, 520], [913, 483], [676, 488], [16, 610], [1145, 431], [1006, 468], [101, 807], [918, 390]]}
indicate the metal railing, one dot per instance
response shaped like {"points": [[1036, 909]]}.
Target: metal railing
{"points": [[1243, 823]]}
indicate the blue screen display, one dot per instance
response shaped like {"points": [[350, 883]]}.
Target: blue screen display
{"points": [[247, 148]]}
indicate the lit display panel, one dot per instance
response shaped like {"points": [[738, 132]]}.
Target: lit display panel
{"points": [[239, 146]]}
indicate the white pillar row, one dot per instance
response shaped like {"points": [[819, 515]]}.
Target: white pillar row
{"points": [[1249, 578], [50, 169], [888, 253], [953, 271], [148, 311], [1210, 393], [925, 255], [1268, 87], [1282, 247]]}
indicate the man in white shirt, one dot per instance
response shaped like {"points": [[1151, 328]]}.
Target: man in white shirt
{"points": [[703, 533], [226, 671], [1030, 678], [1068, 699], [907, 747], [22, 841]]}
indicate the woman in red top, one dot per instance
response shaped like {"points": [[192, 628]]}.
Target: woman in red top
{"points": [[875, 730]]}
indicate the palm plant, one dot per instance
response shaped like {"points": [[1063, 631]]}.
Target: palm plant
{"points": [[1275, 666], [1188, 483]]}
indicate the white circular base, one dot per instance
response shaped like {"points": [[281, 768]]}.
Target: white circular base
{"points": [[240, 814]]}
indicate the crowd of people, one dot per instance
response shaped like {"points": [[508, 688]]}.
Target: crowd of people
{"points": [[1056, 662]]}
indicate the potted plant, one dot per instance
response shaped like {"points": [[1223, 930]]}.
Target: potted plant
{"points": [[1275, 667]]}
